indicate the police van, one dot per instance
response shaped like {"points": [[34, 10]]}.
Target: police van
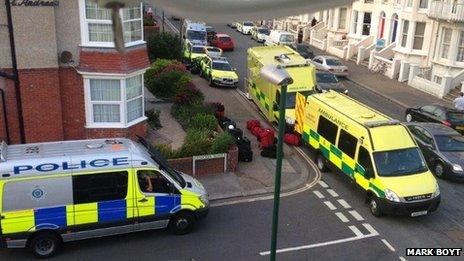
{"points": [[64, 191], [372, 150]]}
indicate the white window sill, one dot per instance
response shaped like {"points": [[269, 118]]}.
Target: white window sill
{"points": [[110, 45], [409, 51], [115, 125]]}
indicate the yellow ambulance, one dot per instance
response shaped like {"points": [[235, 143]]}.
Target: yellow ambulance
{"points": [[266, 95], [57, 192], [376, 152]]}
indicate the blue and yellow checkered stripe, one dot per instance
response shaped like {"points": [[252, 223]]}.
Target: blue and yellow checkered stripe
{"points": [[345, 163]]}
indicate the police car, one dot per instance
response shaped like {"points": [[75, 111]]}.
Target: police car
{"points": [[64, 191], [218, 71]]}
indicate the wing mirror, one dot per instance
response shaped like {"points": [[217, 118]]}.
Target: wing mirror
{"points": [[275, 106]]}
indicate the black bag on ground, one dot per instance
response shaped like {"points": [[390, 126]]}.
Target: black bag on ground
{"points": [[270, 152], [236, 132], [224, 122], [245, 154]]}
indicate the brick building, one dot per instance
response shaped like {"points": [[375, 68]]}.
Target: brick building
{"points": [[73, 84]]}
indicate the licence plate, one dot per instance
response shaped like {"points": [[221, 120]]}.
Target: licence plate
{"points": [[460, 127], [419, 213]]}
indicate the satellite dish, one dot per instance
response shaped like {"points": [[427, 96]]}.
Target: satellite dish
{"points": [[66, 57]]}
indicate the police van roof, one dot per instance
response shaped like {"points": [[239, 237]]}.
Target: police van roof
{"points": [[70, 156]]}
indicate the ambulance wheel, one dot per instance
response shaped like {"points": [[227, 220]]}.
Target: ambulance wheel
{"points": [[321, 162], [408, 117], [182, 223], [44, 244], [374, 206]]}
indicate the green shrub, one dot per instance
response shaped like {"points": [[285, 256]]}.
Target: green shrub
{"points": [[168, 84], [148, 20], [197, 142], [184, 113], [203, 122], [164, 45], [222, 143], [166, 150], [153, 118]]}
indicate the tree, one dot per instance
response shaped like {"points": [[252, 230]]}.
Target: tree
{"points": [[164, 46]]}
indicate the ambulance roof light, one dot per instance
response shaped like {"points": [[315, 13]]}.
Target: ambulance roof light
{"points": [[373, 124]]}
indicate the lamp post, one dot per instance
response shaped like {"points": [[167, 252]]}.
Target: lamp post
{"points": [[280, 77]]}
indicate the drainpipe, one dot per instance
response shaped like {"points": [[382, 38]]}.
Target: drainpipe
{"points": [[2, 93], [15, 76]]}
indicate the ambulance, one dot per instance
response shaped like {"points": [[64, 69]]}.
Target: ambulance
{"points": [[370, 149], [266, 95], [57, 192]]}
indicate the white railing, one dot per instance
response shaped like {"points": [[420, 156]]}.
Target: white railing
{"points": [[386, 58], [339, 43], [386, 53], [337, 47], [425, 73], [307, 29], [446, 11], [320, 44], [458, 78], [318, 36], [352, 48], [363, 53], [421, 78]]}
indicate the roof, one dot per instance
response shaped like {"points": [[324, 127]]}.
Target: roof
{"points": [[267, 55], [434, 128], [71, 156], [222, 35]]}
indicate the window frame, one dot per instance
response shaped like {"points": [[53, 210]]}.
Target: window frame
{"points": [[373, 168], [102, 173], [342, 22], [173, 187], [419, 36], [84, 24], [344, 135], [460, 45], [448, 44], [123, 121], [404, 35], [334, 130]]}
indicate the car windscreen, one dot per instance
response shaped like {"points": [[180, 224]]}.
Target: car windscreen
{"points": [[450, 142], [224, 39], [400, 162], [326, 78], [333, 62], [291, 99], [287, 38], [264, 31], [248, 24], [196, 35], [221, 66], [456, 117], [198, 49]]}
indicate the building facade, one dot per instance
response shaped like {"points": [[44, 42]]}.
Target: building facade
{"points": [[73, 84]]}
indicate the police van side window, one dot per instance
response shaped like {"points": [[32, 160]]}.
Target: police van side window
{"points": [[327, 129], [151, 181], [99, 187], [347, 143]]}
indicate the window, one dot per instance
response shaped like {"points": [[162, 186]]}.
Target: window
{"points": [[421, 134], [409, 3], [37, 193], [438, 79], [347, 143], [404, 35], [419, 36], [114, 102], [327, 129], [445, 42], [97, 25], [366, 30], [355, 22], [364, 159], [342, 18], [99, 187], [423, 4], [151, 181], [428, 109], [399, 162], [460, 54]]}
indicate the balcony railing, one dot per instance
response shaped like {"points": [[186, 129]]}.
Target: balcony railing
{"points": [[447, 11]]}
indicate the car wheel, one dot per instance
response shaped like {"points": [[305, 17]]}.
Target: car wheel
{"points": [[321, 162], [182, 223], [439, 170], [374, 206], [44, 244], [408, 117]]}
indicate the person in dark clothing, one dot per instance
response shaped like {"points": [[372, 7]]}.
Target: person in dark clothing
{"points": [[300, 35], [313, 22]]}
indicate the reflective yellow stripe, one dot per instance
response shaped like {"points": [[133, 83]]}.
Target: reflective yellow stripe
{"points": [[147, 208], [18, 221], [86, 213], [70, 215], [190, 200]]}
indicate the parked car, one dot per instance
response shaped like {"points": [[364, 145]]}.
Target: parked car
{"points": [[279, 37], [258, 33], [439, 114], [303, 49], [331, 64], [326, 81], [246, 27], [442, 147], [213, 51], [210, 33], [231, 25], [218, 71], [223, 41], [238, 26]]}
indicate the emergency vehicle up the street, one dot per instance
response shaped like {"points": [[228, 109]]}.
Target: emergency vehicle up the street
{"points": [[64, 191]]}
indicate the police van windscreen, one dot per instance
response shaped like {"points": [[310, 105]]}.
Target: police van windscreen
{"points": [[198, 49], [399, 162], [196, 35], [264, 31], [291, 99]]}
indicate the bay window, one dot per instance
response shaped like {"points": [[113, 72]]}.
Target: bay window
{"points": [[404, 33], [113, 102], [460, 54], [96, 25], [342, 18], [445, 42]]}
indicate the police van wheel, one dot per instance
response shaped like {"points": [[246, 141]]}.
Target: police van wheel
{"points": [[44, 244], [182, 223], [374, 206], [408, 117], [321, 162]]}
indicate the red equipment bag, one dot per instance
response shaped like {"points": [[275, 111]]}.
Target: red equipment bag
{"points": [[266, 137], [256, 130], [253, 123], [292, 139]]}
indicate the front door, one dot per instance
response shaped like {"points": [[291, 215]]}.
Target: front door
{"points": [[156, 199]]}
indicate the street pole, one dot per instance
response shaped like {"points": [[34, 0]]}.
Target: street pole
{"points": [[163, 21], [278, 174]]}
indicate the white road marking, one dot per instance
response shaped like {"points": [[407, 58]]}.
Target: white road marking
{"points": [[328, 243], [342, 217], [323, 184], [318, 194], [332, 193], [388, 245], [344, 203], [402, 258], [356, 215], [356, 231], [370, 228], [330, 205]]}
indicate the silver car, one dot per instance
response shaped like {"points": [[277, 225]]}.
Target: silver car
{"points": [[330, 64]]}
